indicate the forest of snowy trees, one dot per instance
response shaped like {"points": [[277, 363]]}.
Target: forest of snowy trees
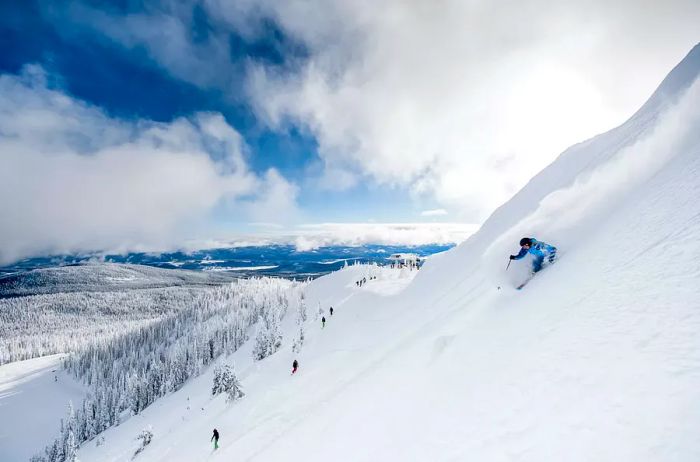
{"points": [[60, 310], [126, 373], [40, 325]]}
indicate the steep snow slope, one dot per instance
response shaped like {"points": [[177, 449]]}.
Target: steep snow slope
{"points": [[597, 359], [580, 160]]}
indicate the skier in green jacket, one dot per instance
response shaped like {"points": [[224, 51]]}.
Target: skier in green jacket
{"points": [[215, 438]]}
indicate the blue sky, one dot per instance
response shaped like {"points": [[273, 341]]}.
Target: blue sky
{"points": [[307, 112], [128, 84]]}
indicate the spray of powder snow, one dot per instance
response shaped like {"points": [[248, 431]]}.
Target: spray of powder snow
{"points": [[567, 215]]}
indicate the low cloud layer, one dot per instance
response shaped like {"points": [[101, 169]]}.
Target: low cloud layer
{"points": [[306, 237], [434, 213], [74, 179], [351, 234]]}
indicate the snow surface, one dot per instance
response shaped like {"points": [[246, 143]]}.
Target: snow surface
{"points": [[28, 385], [597, 359]]}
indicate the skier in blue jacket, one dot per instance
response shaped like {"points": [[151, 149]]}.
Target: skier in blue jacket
{"points": [[538, 249]]}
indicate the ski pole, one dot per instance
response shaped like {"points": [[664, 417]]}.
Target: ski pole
{"points": [[508, 264]]}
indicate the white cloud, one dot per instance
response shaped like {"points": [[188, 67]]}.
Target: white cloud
{"points": [[74, 179], [164, 32], [464, 101], [433, 213], [276, 200]]}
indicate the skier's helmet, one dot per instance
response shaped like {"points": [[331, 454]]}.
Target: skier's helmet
{"points": [[525, 241]]}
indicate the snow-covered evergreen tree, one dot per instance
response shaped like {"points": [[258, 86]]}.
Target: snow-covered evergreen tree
{"points": [[225, 381], [230, 384], [216, 386], [300, 320], [301, 309], [269, 336], [145, 438], [70, 440], [298, 340]]}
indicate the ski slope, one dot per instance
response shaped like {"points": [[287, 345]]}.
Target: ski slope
{"points": [[38, 383], [597, 359]]}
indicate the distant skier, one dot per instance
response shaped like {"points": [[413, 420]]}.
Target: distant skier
{"points": [[215, 438], [331, 310], [295, 366], [538, 249], [323, 322]]}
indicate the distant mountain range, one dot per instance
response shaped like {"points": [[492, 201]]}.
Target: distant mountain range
{"points": [[275, 260]]}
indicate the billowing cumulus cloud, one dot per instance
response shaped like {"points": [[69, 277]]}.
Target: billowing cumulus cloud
{"points": [[73, 179], [466, 100], [457, 101]]}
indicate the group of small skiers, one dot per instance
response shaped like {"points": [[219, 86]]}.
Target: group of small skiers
{"points": [[323, 319], [295, 367], [363, 281], [295, 363]]}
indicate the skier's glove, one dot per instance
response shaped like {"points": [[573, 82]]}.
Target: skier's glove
{"points": [[512, 257]]}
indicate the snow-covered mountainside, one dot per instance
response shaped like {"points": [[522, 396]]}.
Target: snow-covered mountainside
{"points": [[596, 359]]}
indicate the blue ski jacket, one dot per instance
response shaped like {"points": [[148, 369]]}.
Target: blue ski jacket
{"points": [[538, 248]]}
